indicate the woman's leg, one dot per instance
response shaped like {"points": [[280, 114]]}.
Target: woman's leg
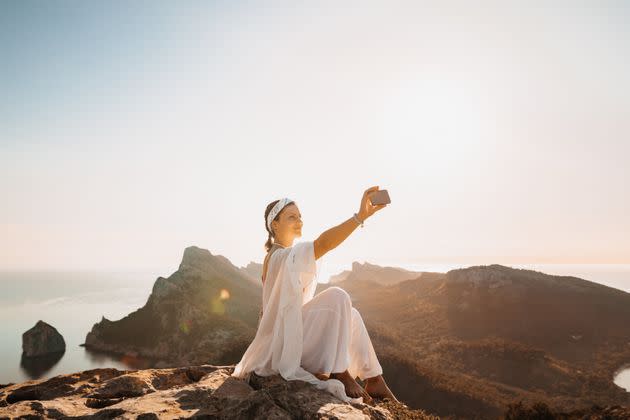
{"points": [[327, 333], [327, 326], [363, 360]]}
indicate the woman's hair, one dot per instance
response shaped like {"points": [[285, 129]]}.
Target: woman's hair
{"points": [[268, 244]]}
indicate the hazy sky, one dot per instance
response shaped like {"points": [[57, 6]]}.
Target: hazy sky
{"points": [[131, 130]]}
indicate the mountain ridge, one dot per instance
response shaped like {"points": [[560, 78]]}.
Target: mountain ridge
{"points": [[468, 338]]}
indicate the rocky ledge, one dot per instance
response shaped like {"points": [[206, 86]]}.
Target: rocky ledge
{"points": [[204, 391]]}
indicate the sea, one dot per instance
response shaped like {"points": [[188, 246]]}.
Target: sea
{"points": [[73, 301]]}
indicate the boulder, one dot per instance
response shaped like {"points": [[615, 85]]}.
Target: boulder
{"points": [[41, 340]]}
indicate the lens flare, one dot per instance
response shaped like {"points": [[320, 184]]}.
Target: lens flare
{"points": [[184, 326], [217, 303]]}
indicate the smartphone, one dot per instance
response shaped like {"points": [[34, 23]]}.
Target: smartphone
{"points": [[380, 197]]}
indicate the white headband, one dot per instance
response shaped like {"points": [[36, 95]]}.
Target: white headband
{"points": [[276, 209]]}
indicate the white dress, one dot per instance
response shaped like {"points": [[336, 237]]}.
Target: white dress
{"points": [[300, 334]]}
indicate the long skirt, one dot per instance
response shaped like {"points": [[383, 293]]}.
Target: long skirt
{"points": [[335, 338]]}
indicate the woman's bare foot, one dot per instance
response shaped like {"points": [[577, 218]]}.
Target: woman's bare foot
{"points": [[321, 376], [353, 389], [377, 388]]}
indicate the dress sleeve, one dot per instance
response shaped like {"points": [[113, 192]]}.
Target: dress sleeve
{"points": [[302, 263]]}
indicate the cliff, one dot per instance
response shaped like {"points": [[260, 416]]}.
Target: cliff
{"points": [[206, 311]]}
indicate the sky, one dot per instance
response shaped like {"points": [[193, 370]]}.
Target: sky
{"points": [[132, 130]]}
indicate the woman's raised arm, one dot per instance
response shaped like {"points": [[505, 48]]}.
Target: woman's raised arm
{"points": [[331, 238]]}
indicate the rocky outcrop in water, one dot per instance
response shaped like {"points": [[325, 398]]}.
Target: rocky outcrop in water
{"points": [[41, 340]]}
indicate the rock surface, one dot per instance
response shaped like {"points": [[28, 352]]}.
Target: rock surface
{"points": [[41, 340], [197, 391]]}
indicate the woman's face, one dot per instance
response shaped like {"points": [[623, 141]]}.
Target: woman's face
{"points": [[289, 223]]}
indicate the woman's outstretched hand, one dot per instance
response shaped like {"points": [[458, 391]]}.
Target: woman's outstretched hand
{"points": [[367, 209]]}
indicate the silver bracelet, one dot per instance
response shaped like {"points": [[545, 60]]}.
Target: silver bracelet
{"points": [[356, 218]]}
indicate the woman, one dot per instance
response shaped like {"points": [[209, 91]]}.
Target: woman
{"points": [[306, 337]]}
